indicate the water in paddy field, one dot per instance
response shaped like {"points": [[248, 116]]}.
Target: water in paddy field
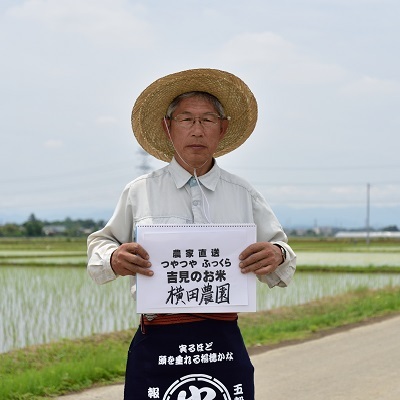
{"points": [[43, 304]]}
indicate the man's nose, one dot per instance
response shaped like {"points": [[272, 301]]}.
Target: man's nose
{"points": [[197, 128]]}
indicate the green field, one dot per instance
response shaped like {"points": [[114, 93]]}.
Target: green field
{"points": [[72, 252], [47, 370]]}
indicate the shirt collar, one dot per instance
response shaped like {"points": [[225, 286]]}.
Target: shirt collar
{"points": [[181, 176]]}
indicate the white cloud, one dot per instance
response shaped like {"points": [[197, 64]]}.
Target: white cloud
{"points": [[106, 120], [388, 195], [280, 60], [103, 22], [368, 85], [53, 144]]}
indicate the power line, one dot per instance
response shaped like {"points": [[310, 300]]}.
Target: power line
{"points": [[315, 168], [100, 169]]}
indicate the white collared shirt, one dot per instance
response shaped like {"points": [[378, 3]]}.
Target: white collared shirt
{"points": [[171, 195]]}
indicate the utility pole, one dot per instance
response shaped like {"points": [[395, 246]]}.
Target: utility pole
{"points": [[368, 211]]}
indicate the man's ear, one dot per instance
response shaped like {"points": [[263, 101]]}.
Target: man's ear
{"points": [[166, 125], [223, 128]]}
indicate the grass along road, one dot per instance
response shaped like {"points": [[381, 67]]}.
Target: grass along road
{"points": [[71, 365]]}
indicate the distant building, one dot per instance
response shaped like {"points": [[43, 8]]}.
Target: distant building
{"points": [[53, 230], [364, 235]]}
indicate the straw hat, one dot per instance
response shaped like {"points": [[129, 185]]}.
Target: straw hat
{"points": [[150, 107]]}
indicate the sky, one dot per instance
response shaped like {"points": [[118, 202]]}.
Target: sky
{"points": [[325, 73]]}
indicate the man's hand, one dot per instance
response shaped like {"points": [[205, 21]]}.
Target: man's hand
{"points": [[131, 259], [261, 258]]}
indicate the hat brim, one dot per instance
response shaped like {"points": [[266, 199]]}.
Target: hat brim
{"points": [[150, 107]]}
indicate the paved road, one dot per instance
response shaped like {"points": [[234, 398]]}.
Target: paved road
{"points": [[358, 364]]}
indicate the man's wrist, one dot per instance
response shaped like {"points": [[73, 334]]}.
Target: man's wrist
{"points": [[111, 266], [283, 252]]}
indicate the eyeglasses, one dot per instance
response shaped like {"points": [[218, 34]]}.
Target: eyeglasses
{"points": [[207, 121]]}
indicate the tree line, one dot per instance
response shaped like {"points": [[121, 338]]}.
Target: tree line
{"points": [[68, 227], [34, 227]]}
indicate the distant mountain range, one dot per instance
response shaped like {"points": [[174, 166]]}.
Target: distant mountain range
{"points": [[343, 217]]}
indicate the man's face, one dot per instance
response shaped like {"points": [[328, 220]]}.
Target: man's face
{"points": [[196, 143]]}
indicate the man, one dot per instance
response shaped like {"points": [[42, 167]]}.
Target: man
{"points": [[187, 119]]}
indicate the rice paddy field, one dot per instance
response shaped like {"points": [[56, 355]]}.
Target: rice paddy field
{"points": [[46, 294]]}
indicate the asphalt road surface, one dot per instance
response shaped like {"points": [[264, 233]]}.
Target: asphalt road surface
{"points": [[362, 363]]}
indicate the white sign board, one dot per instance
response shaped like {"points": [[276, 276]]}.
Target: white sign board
{"points": [[196, 269]]}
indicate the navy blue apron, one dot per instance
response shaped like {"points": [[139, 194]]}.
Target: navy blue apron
{"points": [[205, 360]]}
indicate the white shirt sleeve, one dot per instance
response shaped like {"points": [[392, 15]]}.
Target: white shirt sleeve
{"points": [[270, 230], [103, 243]]}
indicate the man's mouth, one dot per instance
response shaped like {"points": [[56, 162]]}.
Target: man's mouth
{"points": [[197, 146]]}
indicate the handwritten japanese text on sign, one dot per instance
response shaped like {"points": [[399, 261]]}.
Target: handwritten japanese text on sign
{"points": [[196, 269]]}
